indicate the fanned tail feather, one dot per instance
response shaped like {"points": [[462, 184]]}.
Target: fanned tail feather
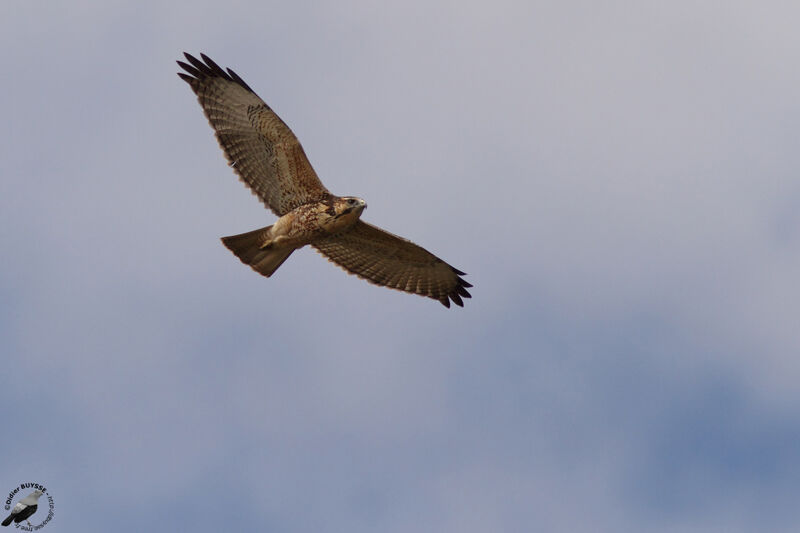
{"points": [[250, 249]]}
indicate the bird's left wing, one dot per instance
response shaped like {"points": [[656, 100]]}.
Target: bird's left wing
{"points": [[258, 144], [391, 261]]}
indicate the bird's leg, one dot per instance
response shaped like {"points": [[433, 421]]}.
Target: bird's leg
{"points": [[272, 236]]}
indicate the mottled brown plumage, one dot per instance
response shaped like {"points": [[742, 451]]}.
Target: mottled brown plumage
{"points": [[270, 160]]}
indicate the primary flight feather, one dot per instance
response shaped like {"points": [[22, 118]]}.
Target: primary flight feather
{"points": [[270, 160]]}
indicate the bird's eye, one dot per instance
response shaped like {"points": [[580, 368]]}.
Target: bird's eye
{"points": [[351, 201]]}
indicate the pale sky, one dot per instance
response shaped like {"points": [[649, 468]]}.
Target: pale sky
{"points": [[620, 182]]}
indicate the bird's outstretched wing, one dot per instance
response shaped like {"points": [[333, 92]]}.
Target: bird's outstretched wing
{"points": [[258, 144], [391, 261]]}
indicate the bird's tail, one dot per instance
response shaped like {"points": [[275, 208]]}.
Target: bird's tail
{"points": [[8, 520], [252, 249]]}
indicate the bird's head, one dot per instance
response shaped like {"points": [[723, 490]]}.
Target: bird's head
{"points": [[346, 212], [353, 203], [349, 205]]}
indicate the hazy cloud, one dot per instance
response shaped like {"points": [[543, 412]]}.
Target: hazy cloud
{"points": [[618, 181]]}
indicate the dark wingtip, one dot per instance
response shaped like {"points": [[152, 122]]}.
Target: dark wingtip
{"points": [[456, 294], [193, 60], [209, 61], [205, 67]]}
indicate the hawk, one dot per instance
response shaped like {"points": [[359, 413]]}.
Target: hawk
{"points": [[268, 158], [24, 508]]}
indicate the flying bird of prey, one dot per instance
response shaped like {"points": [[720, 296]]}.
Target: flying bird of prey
{"points": [[24, 508], [269, 159]]}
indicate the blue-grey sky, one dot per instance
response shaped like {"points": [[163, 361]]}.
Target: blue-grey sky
{"points": [[620, 181]]}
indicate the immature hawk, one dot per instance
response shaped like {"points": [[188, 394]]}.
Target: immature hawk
{"points": [[269, 159], [24, 508]]}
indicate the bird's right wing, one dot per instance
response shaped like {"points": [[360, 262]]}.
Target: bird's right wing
{"points": [[391, 261], [258, 144]]}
